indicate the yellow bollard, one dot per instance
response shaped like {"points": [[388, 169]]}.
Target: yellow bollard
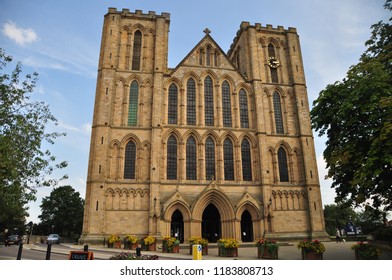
{"points": [[196, 252]]}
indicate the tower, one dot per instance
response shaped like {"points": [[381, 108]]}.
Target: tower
{"points": [[219, 146]]}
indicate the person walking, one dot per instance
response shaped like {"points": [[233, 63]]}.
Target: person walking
{"points": [[338, 236]]}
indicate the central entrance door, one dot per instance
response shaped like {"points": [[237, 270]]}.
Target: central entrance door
{"points": [[211, 224], [177, 226]]}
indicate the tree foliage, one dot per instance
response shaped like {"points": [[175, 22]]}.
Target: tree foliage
{"points": [[24, 165], [356, 116], [62, 212], [337, 216]]}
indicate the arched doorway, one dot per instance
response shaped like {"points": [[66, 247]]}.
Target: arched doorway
{"points": [[177, 225], [246, 227], [211, 224]]}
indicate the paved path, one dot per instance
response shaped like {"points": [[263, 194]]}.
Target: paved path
{"points": [[334, 251]]}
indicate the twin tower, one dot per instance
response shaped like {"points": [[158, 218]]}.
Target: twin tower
{"points": [[219, 146]]}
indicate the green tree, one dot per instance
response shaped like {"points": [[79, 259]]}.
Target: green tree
{"points": [[337, 216], [62, 212], [356, 116], [24, 165]]}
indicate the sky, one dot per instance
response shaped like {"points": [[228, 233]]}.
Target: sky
{"points": [[61, 41]]}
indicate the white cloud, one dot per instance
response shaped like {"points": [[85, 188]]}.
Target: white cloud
{"points": [[19, 35]]}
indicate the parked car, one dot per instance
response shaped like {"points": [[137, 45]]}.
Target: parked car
{"points": [[13, 239], [53, 238]]}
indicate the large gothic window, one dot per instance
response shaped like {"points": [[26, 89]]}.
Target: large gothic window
{"points": [[130, 160], [171, 172], [283, 169], [210, 159], [133, 103], [246, 160], [244, 119], [228, 158], [172, 104], [191, 102], [137, 50], [278, 113], [226, 104], [191, 159], [208, 102]]}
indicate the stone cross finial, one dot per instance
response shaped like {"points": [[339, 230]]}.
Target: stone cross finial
{"points": [[207, 31]]}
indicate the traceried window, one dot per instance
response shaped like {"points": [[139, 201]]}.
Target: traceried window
{"points": [[172, 108], [228, 159], [283, 169], [171, 171], [246, 160], [210, 159], [137, 50], [226, 104], [191, 159], [278, 113], [133, 103], [244, 118], [208, 56], [191, 102], [130, 160], [208, 102]]}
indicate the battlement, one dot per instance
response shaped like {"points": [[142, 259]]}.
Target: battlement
{"points": [[138, 13]]}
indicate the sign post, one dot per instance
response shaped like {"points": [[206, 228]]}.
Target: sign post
{"points": [[197, 252]]}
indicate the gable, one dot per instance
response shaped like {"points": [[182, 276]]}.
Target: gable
{"points": [[207, 54]]}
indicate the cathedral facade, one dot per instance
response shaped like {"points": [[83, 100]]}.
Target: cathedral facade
{"points": [[219, 146]]}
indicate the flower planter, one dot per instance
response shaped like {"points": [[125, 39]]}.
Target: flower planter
{"points": [[361, 255], [204, 250], [267, 252], [174, 249], [149, 247], [228, 252], [311, 255], [130, 246]]}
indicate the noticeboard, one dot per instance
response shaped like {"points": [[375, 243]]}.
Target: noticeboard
{"points": [[80, 255]]}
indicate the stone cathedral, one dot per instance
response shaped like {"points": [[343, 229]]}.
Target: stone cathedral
{"points": [[219, 146]]}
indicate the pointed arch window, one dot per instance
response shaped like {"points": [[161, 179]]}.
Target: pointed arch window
{"points": [[278, 113], [172, 104], [191, 158], [130, 160], [283, 169], [171, 171], [137, 50], [191, 102], [208, 102], [228, 159], [244, 118], [208, 56], [226, 104], [246, 160], [273, 71], [133, 103], [210, 159]]}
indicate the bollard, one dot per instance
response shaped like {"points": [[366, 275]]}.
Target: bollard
{"points": [[19, 256], [197, 252], [48, 251], [85, 248], [138, 252]]}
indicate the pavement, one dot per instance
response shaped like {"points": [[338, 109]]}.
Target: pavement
{"points": [[287, 251]]}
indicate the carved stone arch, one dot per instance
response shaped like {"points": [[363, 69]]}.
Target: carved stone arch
{"points": [[232, 136], [169, 132], [146, 82], [210, 73], [194, 133], [275, 42], [110, 192], [212, 134], [245, 87], [173, 203], [218, 199], [172, 80], [249, 137], [229, 79], [134, 77], [248, 202], [135, 27], [262, 41], [189, 75], [130, 137], [285, 145]]}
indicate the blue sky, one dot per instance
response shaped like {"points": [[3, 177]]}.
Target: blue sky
{"points": [[61, 40]]}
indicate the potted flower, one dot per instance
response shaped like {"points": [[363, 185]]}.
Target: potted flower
{"points": [[311, 249], [198, 240], [228, 247], [365, 251], [130, 242], [267, 249], [114, 240], [149, 243], [170, 245]]}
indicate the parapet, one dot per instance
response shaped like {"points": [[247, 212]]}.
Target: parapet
{"points": [[138, 13]]}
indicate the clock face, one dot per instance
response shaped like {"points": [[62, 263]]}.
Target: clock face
{"points": [[273, 62]]}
